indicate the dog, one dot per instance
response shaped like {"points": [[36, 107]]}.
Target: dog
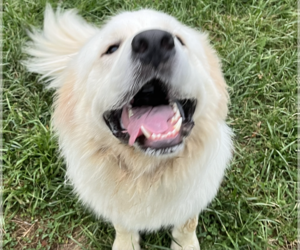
{"points": [[140, 108]]}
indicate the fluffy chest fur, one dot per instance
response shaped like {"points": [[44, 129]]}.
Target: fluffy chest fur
{"points": [[142, 192]]}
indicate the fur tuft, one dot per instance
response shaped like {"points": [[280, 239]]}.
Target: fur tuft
{"points": [[63, 34]]}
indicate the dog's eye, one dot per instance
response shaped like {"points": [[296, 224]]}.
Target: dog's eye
{"points": [[112, 49], [179, 39]]}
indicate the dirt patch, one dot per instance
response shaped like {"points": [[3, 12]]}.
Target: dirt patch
{"points": [[287, 245], [28, 234]]}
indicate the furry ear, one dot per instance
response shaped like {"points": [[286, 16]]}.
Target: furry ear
{"points": [[63, 34]]}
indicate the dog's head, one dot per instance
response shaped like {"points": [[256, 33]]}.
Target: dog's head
{"points": [[143, 79]]}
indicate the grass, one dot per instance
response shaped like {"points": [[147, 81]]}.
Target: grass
{"points": [[256, 205]]}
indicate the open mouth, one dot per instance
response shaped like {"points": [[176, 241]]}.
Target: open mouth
{"points": [[153, 120]]}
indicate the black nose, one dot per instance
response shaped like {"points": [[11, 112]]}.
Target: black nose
{"points": [[153, 47]]}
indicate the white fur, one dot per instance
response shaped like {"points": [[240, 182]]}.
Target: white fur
{"points": [[64, 33], [159, 207], [127, 187]]}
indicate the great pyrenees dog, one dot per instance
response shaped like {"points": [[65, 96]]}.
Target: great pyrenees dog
{"points": [[140, 108]]}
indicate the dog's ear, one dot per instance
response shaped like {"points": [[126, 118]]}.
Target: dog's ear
{"points": [[63, 34], [215, 70]]}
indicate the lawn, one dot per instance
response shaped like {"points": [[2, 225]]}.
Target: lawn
{"points": [[256, 205]]}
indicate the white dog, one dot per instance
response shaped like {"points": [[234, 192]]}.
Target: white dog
{"points": [[140, 114]]}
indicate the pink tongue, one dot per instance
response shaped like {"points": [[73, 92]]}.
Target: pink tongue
{"points": [[154, 119]]}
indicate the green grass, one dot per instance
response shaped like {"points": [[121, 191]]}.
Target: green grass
{"points": [[256, 205]]}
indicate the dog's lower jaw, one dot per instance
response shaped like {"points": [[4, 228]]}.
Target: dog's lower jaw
{"points": [[126, 240], [185, 236]]}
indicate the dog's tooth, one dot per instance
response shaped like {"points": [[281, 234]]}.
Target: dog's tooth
{"points": [[178, 125], [122, 126], [164, 136], [177, 115], [130, 112], [158, 136], [145, 132], [175, 107], [153, 136]]}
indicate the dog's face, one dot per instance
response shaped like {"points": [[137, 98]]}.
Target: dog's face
{"points": [[143, 80], [146, 75]]}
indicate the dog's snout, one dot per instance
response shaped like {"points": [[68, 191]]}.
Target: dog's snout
{"points": [[153, 47]]}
